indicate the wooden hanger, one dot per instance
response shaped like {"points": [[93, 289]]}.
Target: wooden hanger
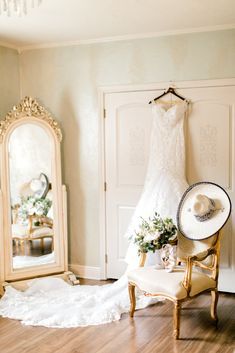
{"points": [[170, 90]]}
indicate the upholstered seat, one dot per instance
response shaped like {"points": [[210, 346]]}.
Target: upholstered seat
{"points": [[28, 233], [21, 231], [152, 280]]}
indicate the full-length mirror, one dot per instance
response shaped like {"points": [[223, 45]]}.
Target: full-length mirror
{"points": [[30, 153], [33, 240]]}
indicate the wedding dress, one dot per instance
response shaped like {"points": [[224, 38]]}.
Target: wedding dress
{"points": [[165, 180], [52, 302]]}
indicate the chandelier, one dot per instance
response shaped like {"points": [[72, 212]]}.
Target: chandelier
{"points": [[18, 7]]}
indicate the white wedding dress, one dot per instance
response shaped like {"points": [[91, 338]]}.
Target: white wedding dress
{"points": [[165, 180], [54, 303]]}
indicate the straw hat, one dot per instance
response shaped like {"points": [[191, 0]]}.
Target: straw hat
{"points": [[203, 210]]}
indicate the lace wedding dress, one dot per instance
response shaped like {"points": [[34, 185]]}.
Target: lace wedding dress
{"points": [[165, 180], [54, 303]]}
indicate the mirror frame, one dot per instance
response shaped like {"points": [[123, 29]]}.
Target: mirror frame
{"points": [[29, 111]]}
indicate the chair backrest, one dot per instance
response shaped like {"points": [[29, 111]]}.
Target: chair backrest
{"points": [[187, 247]]}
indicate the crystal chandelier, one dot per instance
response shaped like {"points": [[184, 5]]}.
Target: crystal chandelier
{"points": [[18, 7]]}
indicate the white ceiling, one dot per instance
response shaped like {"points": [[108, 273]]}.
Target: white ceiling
{"points": [[63, 21]]}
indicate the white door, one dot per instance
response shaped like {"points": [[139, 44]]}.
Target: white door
{"points": [[127, 131], [209, 152]]}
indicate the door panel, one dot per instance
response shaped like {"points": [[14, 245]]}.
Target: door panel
{"points": [[209, 143], [132, 144]]}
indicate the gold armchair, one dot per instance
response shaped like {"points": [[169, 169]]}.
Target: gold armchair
{"points": [[196, 273], [31, 232]]}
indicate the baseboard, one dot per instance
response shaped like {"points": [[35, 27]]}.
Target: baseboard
{"points": [[85, 271]]}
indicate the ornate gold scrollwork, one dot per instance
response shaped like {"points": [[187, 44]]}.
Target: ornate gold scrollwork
{"points": [[29, 107]]}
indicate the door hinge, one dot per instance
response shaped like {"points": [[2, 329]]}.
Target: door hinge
{"points": [[106, 258], [105, 186], [104, 113]]}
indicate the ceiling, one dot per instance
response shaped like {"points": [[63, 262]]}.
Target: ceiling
{"points": [[57, 22]]}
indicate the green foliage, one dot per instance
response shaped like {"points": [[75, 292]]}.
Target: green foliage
{"points": [[154, 233], [31, 205]]}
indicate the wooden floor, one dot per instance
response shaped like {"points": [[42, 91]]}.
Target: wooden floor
{"points": [[150, 331]]}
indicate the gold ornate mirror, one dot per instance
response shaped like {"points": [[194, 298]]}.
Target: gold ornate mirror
{"points": [[34, 236]]}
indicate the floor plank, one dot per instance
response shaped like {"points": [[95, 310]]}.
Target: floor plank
{"points": [[150, 331]]}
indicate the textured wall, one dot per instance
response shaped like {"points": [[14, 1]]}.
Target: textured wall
{"points": [[65, 80], [9, 79], [30, 154]]}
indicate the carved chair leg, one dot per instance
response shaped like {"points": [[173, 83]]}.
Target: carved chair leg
{"points": [[131, 289], [177, 308], [42, 245], [214, 301], [17, 247], [22, 246]]}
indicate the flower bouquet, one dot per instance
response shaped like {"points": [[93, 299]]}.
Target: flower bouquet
{"points": [[32, 205], [158, 234], [155, 233]]}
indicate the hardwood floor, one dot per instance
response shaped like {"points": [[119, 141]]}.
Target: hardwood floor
{"points": [[150, 331]]}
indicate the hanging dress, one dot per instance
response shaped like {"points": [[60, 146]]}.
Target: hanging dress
{"points": [[51, 302], [165, 180]]}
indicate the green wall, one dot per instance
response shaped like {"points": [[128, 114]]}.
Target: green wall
{"points": [[9, 79], [65, 80]]}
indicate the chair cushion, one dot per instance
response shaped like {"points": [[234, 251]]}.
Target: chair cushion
{"points": [[41, 231], [158, 281], [21, 231]]}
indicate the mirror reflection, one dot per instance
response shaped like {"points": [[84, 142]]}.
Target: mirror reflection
{"points": [[31, 194]]}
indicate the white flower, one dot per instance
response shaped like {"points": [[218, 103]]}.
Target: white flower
{"points": [[169, 226], [39, 211], [151, 236], [33, 206], [157, 234], [31, 210], [173, 237]]}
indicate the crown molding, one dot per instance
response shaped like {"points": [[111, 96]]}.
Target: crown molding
{"points": [[10, 46], [22, 48], [127, 37]]}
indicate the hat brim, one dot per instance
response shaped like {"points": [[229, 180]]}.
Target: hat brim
{"points": [[188, 224]]}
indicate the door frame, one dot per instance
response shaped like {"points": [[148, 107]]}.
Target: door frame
{"points": [[102, 91]]}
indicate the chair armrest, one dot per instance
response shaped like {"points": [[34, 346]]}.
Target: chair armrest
{"points": [[15, 209], [173, 242], [142, 259], [190, 260], [45, 221], [203, 255], [30, 224]]}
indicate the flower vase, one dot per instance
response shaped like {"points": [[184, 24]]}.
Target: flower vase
{"points": [[154, 259]]}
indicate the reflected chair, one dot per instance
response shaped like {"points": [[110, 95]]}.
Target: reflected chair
{"points": [[37, 227], [197, 272], [21, 234]]}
